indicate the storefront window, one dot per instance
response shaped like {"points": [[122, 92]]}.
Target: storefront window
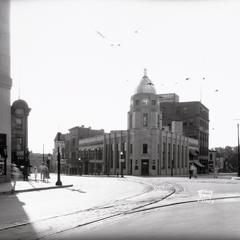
{"points": [[3, 154]]}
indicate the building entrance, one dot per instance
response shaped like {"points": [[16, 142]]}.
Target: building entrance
{"points": [[145, 167]]}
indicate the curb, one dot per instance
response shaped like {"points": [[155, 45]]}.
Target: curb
{"points": [[35, 189]]}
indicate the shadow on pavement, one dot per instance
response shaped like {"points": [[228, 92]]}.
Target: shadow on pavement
{"points": [[12, 219]]}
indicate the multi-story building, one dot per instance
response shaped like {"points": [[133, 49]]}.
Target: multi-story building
{"points": [[19, 126], [70, 162], [61, 143], [145, 148], [215, 161], [5, 88], [195, 119]]}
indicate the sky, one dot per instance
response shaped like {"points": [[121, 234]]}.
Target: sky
{"points": [[78, 62]]}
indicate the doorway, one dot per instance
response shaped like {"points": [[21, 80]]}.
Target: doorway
{"points": [[145, 167]]}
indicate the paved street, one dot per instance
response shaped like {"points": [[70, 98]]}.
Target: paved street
{"points": [[95, 207]]}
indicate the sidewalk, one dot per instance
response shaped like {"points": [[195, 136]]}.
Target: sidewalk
{"points": [[31, 185]]}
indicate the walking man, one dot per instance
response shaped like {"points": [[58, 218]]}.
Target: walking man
{"points": [[191, 169]]}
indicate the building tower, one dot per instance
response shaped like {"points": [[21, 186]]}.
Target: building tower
{"points": [[20, 112], [5, 87], [144, 126]]}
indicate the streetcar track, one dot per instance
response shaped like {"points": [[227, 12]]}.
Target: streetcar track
{"points": [[149, 188], [132, 211], [170, 187], [107, 217]]}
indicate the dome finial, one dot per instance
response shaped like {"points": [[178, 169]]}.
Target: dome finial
{"points": [[145, 72]]}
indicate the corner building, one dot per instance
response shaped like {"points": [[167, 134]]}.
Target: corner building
{"points": [[145, 148], [5, 88]]}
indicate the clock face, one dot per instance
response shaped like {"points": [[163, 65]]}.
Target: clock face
{"points": [[145, 101], [19, 111]]}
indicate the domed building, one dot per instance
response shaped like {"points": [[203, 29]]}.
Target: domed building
{"points": [[146, 148], [19, 125]]}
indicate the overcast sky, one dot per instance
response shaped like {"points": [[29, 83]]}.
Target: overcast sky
{"points": [[78, 62]]}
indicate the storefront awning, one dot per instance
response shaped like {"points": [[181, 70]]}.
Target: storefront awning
{"points": [[198, 163], [194, 152]]}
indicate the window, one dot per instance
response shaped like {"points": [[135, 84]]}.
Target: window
{"points": [[154, 165], [169, 155], [130, 120], [136, 165], [3, 154], [153, 102], [182, 157], [131, 148], [19, 123], [145, 148], [178, 156], [158, 121], [186, 156], [117, 156], [164, 155], [19, 144], [145, 119], [174, 156], [111, 154], [137, 102]]}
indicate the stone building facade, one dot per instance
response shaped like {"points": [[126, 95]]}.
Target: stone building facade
{"points": [[145, 148], [5, 87]]}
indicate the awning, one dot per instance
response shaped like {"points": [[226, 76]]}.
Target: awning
{"points": [[198, 163], [194, 152]]}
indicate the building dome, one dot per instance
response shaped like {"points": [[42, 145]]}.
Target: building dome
{"points": [[145, 85]]}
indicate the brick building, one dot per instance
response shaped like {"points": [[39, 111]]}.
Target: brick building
{"points": [[195, 118], [70, 163]]}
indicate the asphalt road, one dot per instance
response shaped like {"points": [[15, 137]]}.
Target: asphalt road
{"points": [[218, 220], [117, 208]]}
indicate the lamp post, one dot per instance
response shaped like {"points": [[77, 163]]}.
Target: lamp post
{"points": [[58, 183], [122, 161], [48, 161], [79, 164]]}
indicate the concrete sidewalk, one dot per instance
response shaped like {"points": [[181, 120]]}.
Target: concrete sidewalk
{"points": [[31, 185]]}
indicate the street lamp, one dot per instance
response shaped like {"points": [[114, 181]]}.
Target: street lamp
{"points": [[79, 164], [48, 161], [122, 161], [58, 183]]}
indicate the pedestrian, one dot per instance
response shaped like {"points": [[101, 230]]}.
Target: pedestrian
{"points": [[25, 173], [191, 169], [45, 172], [41, 171], [35, 171], [195, 171], [215, 173], [14, 175]]}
